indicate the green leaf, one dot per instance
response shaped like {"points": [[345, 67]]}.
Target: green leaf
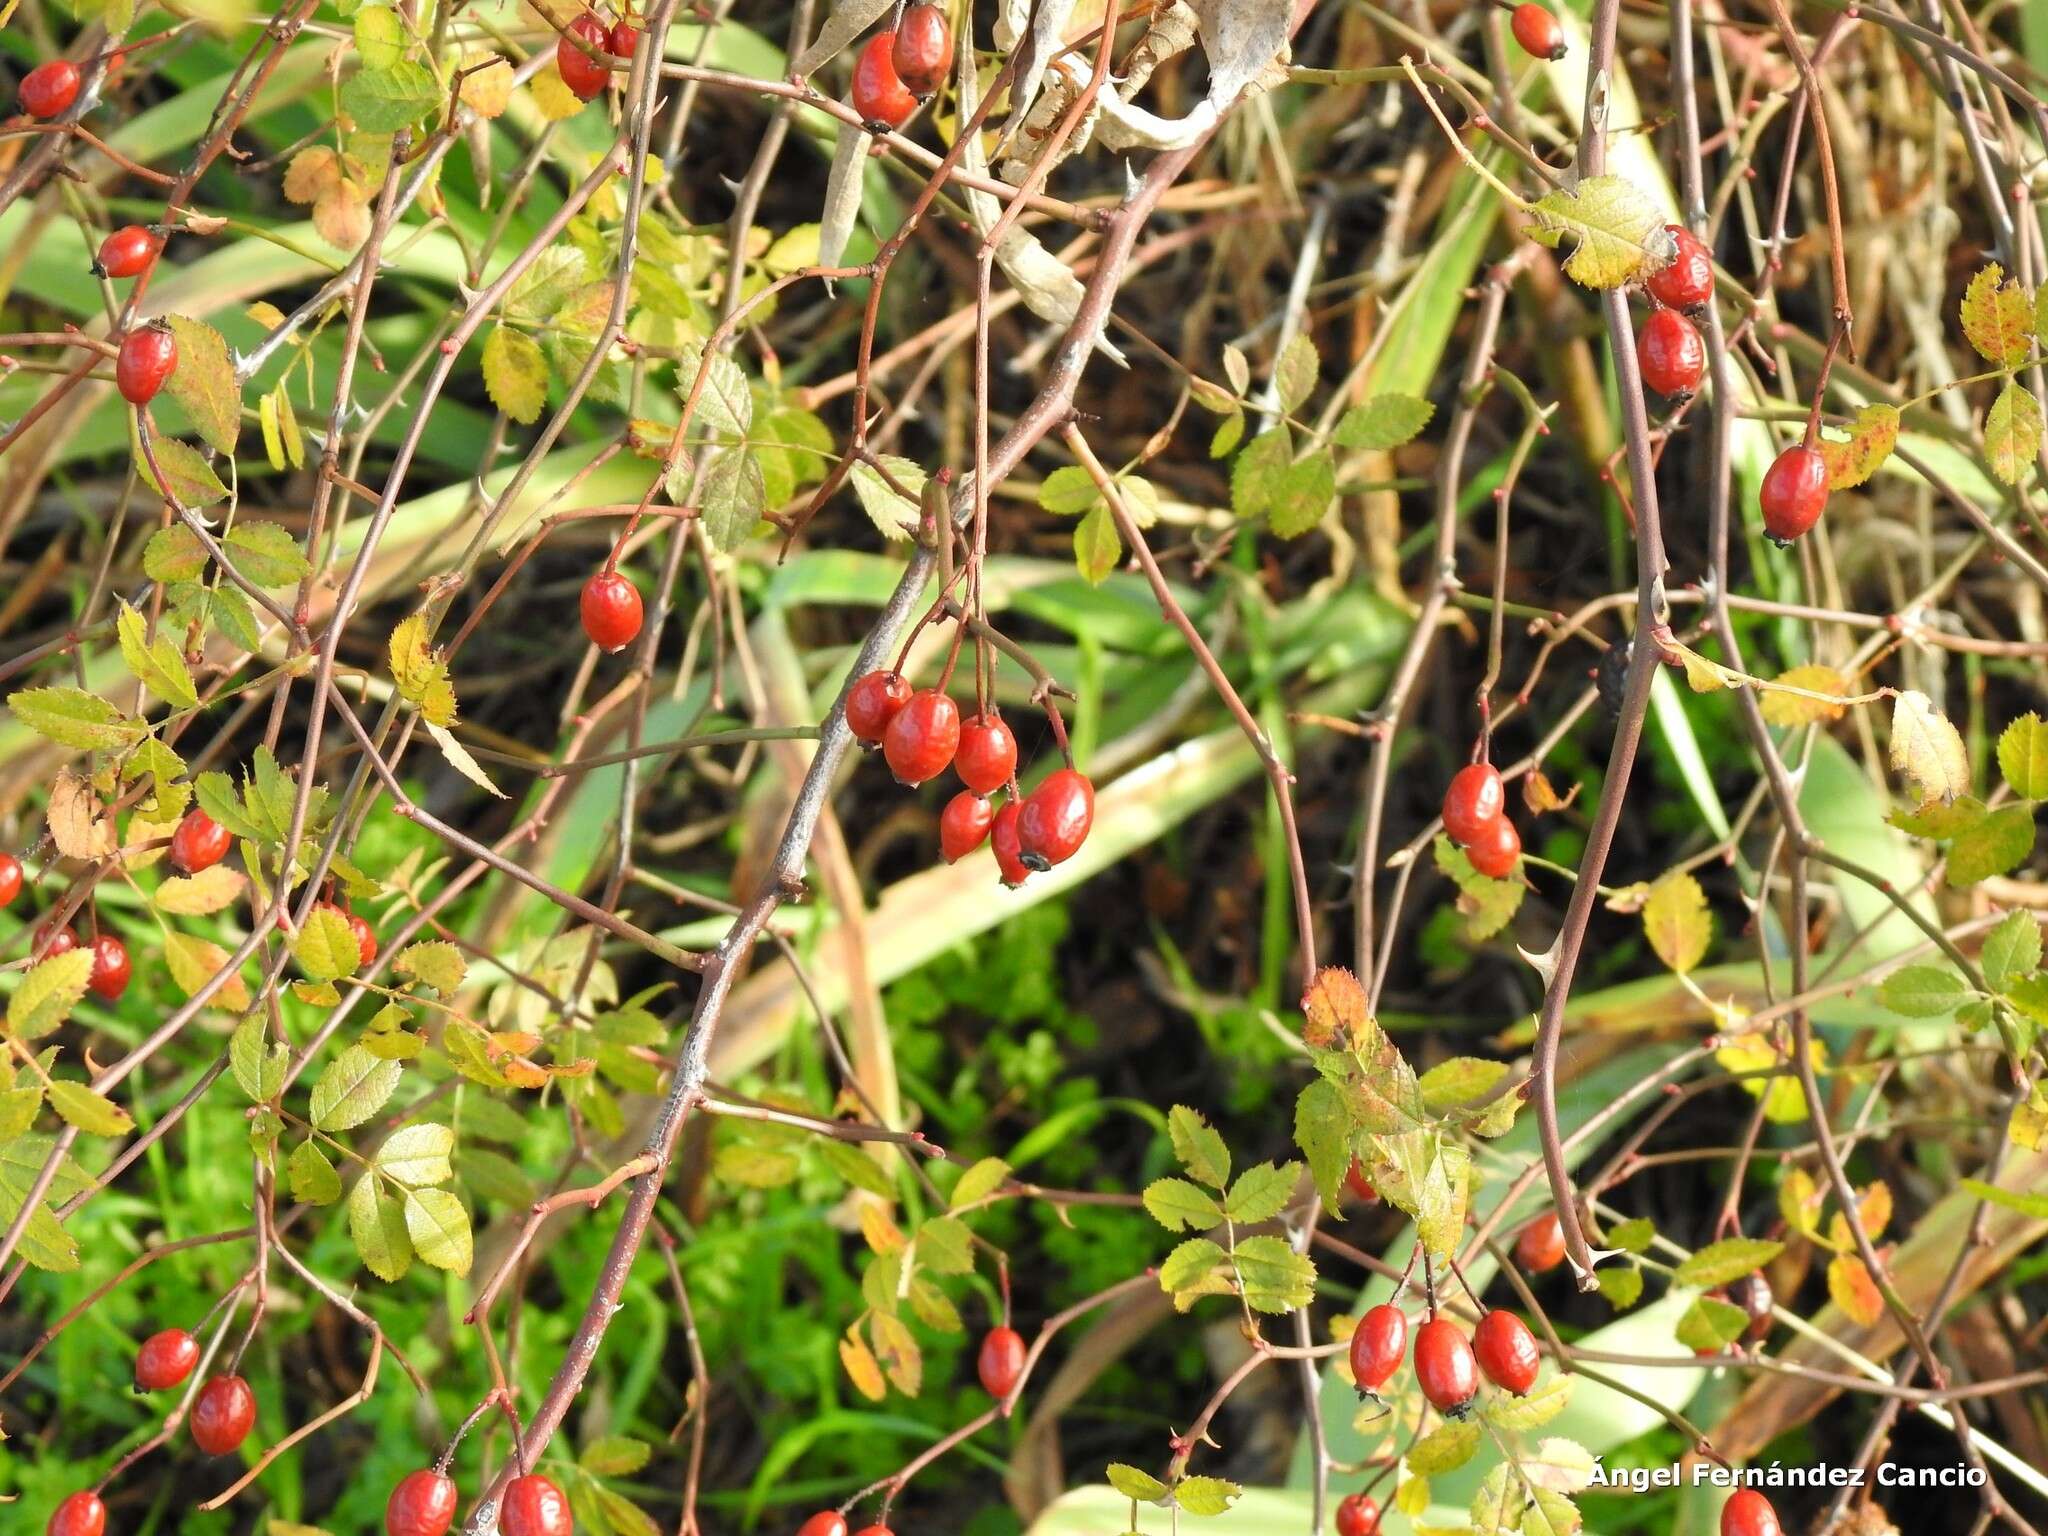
{"points": [[266, 554], [1997, 844], [1544, 1402], [326, 947], [1198, 1146], [380, 37], [895, 516], [1322, 1129], [386, 100], [1617, 232], [376, 1224], [515, 374], [1459, 1081], [71, 717], [1728, 1260], [257, 1061], [1301, 495], [192, 483], [978, 1183], [1383, 422], [1180, 1206], [2011, 950], [945, 1244], [1274, 1277], [1294, 374], [733, 497], [417, 1155], [204, 383], [1622, 1285], [174, 554], [1205, 1496], [439, 1229], [47, 994], [90, 1112], [1134, 1484], [1632, 1236], [1189, 1264], [1098, 547], [2023, 751], [353, 1088], [1261, 1192], [854, 1165], [725, 405], [437, 963], [1444, 1449], [1923, 991], [312, 1176], [1710, 1323], [157, 664], [1068, 492], [615, 1456], [1258, 470], [2027, 1203], [2012, 432]]}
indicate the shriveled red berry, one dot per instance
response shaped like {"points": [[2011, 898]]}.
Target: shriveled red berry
{"points": [[10, 878], [223, 1414], [423, 1504], [922, 737], [366, 937], [1445, 1368], [1506, 1351], [987, 755], [1795, 492], [1056, 819], [1475, 799], [165, 1360], [584, 74], [200, 842], [1496, 849], [611, 611], [534, 1506], [872, 702], [1002, 837], [110, 967], [1359, 1185], [964, 824], [1378, 1344], [1670, 354], [923, 49], [879, 94], [1357, 1515], [81, 1514], [826, 1522], [49, 88], [148, 355], [1537, 31], [1688, 282], [1749, 1513], [623, 38], [127, 252], [1539, 1246], [1001, 1361], [51, 941]]}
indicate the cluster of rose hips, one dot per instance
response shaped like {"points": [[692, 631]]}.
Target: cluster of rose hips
{"points": [[921, 734], [581, 52], [1476, 819], [1669, 351], [896, 70], [1447, 1364], [110, 965]]}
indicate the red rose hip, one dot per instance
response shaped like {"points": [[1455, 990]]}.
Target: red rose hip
{"points": [[1055, 819], [1506, 1351], [623, 38], [534, 1506], [872, 702], [1475, 800], [147, 357], [1689, 281], [1539, 1246], [923, 49], [423, 1504], [987, 755], [1445, 1368], [964, 824], [1496, 849], [165, 1360], [1001, 1362], [1357, 1515], [826, 1522], [127, 252], [1359, 1185], [879, 94], [110, 967], [1749, 1513], [49, 88], [1537, 31], [611, 611], [49, 942], [222, 1415], [1002, 837], [583, 73], [200, 842], [1795, 491], [1670, 354], [81, 1514], [1377, 1346], [10, 878], [922, 737], [366, 937]]}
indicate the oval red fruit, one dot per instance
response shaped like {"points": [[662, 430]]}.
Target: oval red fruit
{"points": [[165, 1360], [872, 702], [222, 1415], [874, 1530], [147, 357], [1001, 1361], [1496, 849], [964, 824], [826, 1522], [110, 967], [10, 878], [1688, 282], [1475, 799], [50, 941], [1055, 819], [1537, 31], [1445, 1368], [623, 38], [200, 842], [879, 94], [49, 88], [1002, 837], [81, 1514], [988, 753], [1506, 1351], [366, 937], [1795, 491], [923, 49], [534, 1506], [922, 737], [127, 252], [611, 611], [1670, 354], [423, 1504], [1377, 1345], [1539, 1246], [1749, 1513], [1359, 1185], [1357, 1515], [582, 71]]}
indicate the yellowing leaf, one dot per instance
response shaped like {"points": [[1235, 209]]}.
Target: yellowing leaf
{"points": [[2012, 432], [313, 173], [194, 962], [204, 383], [515, 374], [1616, 231], [1851, 1288], [202, 894], [1677, 922], [1927, 749], [1872, 434], [862, 1369], [89, 1111], [48, 993], [1997, 317], [1335, 1005], [1784, 708], [486, 83]]}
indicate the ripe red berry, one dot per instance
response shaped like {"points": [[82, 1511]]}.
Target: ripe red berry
{"points": [[1795, 492], [1357, 1515], [147, 356], [10, 878], [1539, 1246], [423, 1504], [1377, 1345], [49, 942], [1445, 1368], [165, 1360], [874, 1530], [1002, 837], [611, 611], [1494, 851], [623, 38], [1689, 281], [1475, 799], [1359, 1185], [879, 94], [110, 967], [1506, 1351], [200, 842], [1001, 1362], [81, 1514], [127, 252], [987, 755], [964, 824], [534, 1506], [922, 737], [872, 702], [223, 1414], [826, 1522], [1753, 1294], [1670, 354], [583, 74], [1537, 31], [49, 88], [366, 937], [923, 49], [1749, 1513], [1055, 819]]}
